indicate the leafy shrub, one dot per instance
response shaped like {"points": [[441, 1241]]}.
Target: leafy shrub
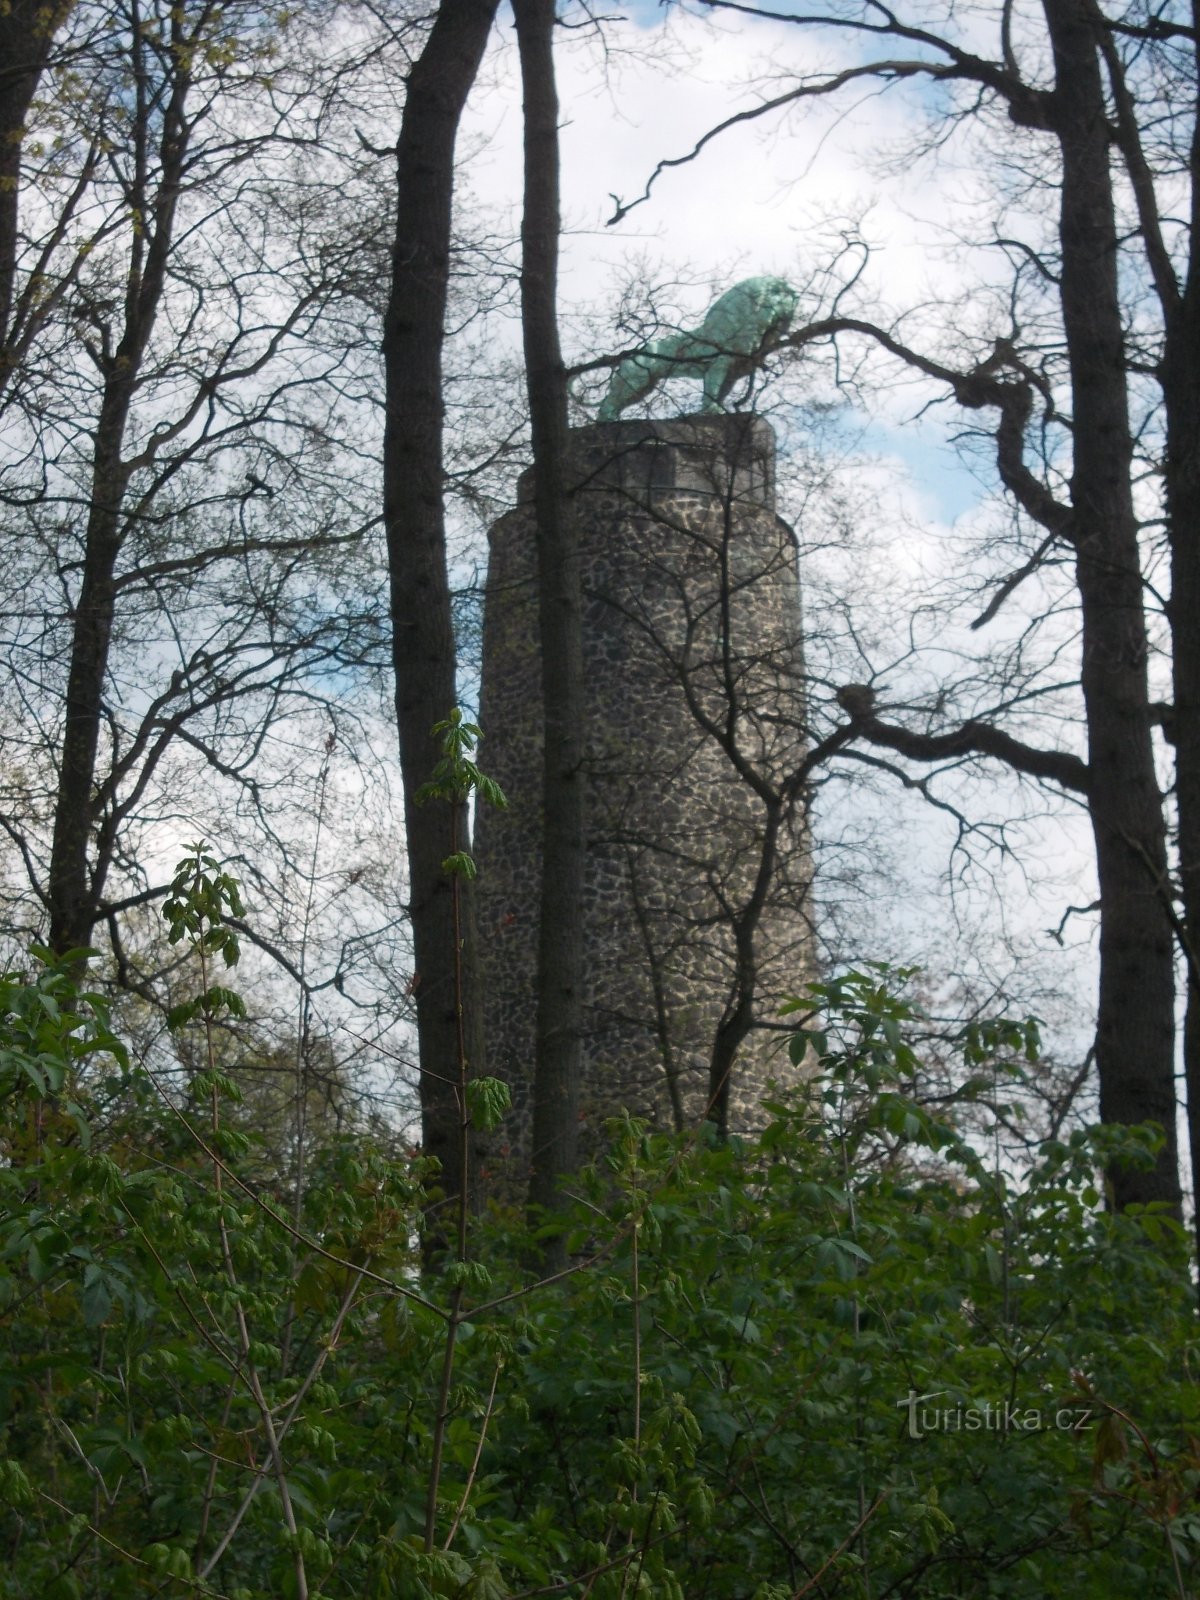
{"points": [[843, 1358]]}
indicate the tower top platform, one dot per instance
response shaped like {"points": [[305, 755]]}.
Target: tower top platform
{"points": [[729, 455]]}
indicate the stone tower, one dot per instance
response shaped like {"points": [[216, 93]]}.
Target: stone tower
{"points": [[697, 915]]}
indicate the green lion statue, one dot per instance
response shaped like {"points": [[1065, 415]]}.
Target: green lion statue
{"points": [[739, 330]]}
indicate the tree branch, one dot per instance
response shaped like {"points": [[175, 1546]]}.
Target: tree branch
{"points": [[977, 738], [979, 389], [1027, 107]]}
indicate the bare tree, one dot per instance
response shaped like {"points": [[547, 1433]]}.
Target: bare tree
{"points": [[171, 498], [423, 642], [560, 972], [1068, 399]]}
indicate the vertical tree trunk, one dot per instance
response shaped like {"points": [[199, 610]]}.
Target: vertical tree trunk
{"points": [[1183, 515], [560, 936], [1134, 1037], [423, 650], [27, 29], [74, 888], [1181, 391]]}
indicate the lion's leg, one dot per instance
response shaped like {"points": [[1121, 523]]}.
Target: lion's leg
{"points": [[719, 378], [631, 381]]}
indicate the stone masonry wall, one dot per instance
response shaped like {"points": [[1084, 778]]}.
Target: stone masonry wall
{"points": [[695, 685]]}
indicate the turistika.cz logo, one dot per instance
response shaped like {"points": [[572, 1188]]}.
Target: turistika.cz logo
{"points": [[1000, 1416]]}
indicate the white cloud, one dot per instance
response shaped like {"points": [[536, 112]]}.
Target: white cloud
{"points": [[748, 203]]}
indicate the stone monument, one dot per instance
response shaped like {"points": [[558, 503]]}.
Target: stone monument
{"points": [[697, 914]]}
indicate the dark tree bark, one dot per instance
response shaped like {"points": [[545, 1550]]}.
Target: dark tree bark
{"points": [[75, 890], [27, 30], [1135, 1022], [1180, 378], [1182, 382], [413, 487], [1165, 51], [560, 936]]}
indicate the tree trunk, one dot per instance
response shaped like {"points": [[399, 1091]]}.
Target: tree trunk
{"points": [[1134, 1035], [75, 889], [558, 1061], [1180, 376], [27, 29], [1183, 515], [423, 650]]}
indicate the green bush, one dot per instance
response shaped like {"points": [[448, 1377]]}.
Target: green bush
{"points": [[844, 1358]]}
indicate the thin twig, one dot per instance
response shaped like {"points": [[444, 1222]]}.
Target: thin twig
{"points": [[128, 1555], [467, 1487], [845, 1545]]}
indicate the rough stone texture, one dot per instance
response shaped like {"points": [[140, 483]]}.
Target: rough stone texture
{"points": [[691, 634]]}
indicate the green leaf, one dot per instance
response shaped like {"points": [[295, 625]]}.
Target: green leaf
{"points": [[15, 1488], [848, 1247], [488, 1099], [97, 1297], [487, 1583], [995, 1265], [459, 865], [179, 1016], [491, 792]]}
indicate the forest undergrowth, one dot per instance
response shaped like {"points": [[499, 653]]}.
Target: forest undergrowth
{"points": [[845, 1357]]}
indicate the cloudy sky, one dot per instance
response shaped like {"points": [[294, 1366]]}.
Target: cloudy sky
{"points": [[765, 197], [770, 197]]}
